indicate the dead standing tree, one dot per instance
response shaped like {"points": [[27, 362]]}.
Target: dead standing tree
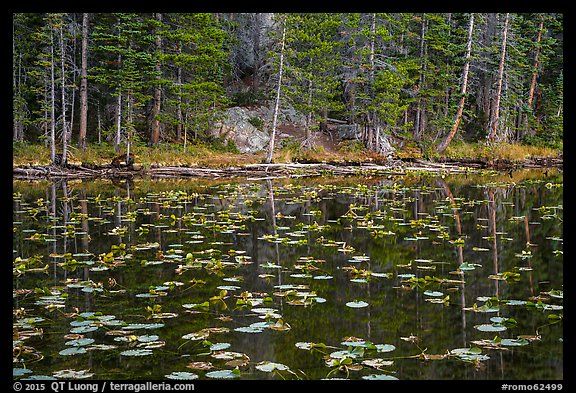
{"points": [[444, 144]]}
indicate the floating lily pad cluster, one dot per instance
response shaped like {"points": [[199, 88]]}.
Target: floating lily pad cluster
{"points": [[209, 282]]}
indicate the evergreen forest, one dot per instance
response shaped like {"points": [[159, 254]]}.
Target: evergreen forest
{"points": [[400, 79]]}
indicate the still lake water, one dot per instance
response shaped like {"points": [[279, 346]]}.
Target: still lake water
{"points": [[413, 277]]}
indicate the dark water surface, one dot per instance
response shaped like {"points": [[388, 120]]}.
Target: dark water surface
{"points": [[412, 277]]}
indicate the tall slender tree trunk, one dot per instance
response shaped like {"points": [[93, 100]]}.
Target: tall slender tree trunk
{"points": [[53, 102], [130, 125], [372, 113], [84, 85], [308, 140], [18, 110], [63, 103], [279, 88], [494, 128], [444, 144], [418, 121], [179, 110], [155, 138], [118, 122], [535, 72]]}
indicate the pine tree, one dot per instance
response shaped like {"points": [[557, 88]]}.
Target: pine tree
{"points": [[195, 66], [126, 67], [313, 60]]}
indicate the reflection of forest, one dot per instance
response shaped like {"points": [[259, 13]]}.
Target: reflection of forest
{"points": [[402, 228]]}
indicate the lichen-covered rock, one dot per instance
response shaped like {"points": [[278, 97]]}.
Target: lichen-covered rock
{"points": [[250, 128]]}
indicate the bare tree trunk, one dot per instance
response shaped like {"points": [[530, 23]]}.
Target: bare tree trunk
{"points": [[536, 64], [18, 126], [371, 114], [63, 103], [418, 121], [84, 85], [179, 110], [155, 138], [535, 73], [129, 126], [118, 122], [444, 144], [492, 135], [275, 118], [307, 141], [53, 101]]}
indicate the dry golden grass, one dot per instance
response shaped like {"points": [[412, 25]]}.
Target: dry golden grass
{"points": [[203, 156], [507, 151]]}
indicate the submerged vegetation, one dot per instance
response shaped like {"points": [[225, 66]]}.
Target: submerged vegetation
{"points": [[399, 277]]}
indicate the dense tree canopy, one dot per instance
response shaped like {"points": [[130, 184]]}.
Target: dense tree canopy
{"points": [[397, 77]]}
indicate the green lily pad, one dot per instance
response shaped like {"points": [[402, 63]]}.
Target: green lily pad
{"points": [[134, 326], [380, 377], [73, 374], [80, 342], [268, 367], [249, 329], [219, 346], [490, 327], [513, 342], [136, 352], [433, 293], [223, 374], [181, 375], [84, 329], [357, 304], [19, 371], [72, 351]]}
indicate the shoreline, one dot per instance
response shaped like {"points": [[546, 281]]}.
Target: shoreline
{"points": [[282, 170]]}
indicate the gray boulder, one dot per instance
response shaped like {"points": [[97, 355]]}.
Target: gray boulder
{"points": [[236, 126]]}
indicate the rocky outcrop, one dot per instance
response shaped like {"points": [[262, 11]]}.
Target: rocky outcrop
{"points": [[249, 128]]}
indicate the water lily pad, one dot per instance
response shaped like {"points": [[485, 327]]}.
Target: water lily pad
{"points": [[219, 346], [148, 338], [385, 347], [195, 336], [84, 329], [490, 327], [229, 287], [72, 351], [181, 375], [377, 362], [433, 293], [380, 377], [143, 326], [268, 367], [136, 352], [73, 374], [80, 342], [223, 374], [559, 294], [249, 329], [466, 351], [346, 354], [468, 266], [357, 304], [514, 302], [513, 342], [19, 371]]}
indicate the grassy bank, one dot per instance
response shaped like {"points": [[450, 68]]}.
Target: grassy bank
{"points": [[25, 154]]}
